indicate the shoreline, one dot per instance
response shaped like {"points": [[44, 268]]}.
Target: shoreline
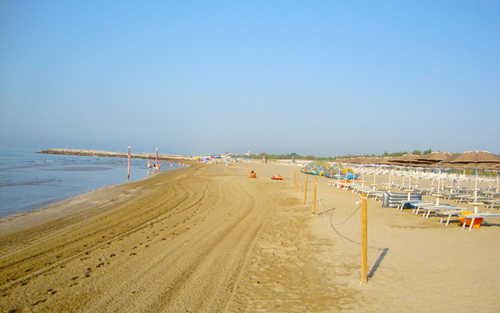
{"points": [[37, 215], [210, 239]]}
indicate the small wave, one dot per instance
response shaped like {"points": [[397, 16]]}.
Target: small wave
{"points": [[30, 183], [79, 169]]}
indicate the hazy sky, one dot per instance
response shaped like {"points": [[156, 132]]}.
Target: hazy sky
{"points": [[201, 77]]}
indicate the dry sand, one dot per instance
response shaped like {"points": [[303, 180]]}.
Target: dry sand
{"points": [[209, 239]]}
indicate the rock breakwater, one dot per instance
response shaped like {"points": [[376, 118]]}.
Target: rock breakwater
{"points": [[109, 154]]}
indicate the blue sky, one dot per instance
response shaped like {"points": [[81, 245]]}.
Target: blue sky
{"points": [[323, 78]]}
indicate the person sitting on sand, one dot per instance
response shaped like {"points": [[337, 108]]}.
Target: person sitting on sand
{"points": [[252, 175]]}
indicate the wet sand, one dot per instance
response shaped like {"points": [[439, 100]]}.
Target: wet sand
{"points": [[209, 239]]}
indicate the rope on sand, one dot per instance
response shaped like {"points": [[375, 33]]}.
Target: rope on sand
{"points": [[335, 224]]}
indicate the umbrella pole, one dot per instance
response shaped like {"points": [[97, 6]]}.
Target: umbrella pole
{"points": [[475, 192], [497, 181], [363, 178], [409, 183], [439, 180]]}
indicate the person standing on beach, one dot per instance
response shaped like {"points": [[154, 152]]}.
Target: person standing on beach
{"points": [[149, 167]]}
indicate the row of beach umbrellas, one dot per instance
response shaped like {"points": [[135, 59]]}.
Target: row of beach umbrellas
{"points": [[468, 160]]}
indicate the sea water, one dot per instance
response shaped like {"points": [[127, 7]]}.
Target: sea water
{"points": [[31, 180]]}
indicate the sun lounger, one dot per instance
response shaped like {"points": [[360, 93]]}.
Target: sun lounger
{"points": [[491, 203], [349, 185], [473, 217], [470, 198], [359, 189], [413, 203], [449, 214], [419, 206], [440, 208], [376, 194]]}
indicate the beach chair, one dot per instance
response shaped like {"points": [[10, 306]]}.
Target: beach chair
{"points": [[438, 209], [422, 206], [413, 203], [376, 194], [492, 203], [449, 214], [476, 219]]}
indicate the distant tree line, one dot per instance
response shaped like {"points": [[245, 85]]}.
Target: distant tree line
{"points": [[312, 157]]}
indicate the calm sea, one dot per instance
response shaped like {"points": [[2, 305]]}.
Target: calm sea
{"points": [[30, 180]]}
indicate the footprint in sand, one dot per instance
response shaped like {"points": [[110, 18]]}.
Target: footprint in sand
{"points": [[39, 301]]}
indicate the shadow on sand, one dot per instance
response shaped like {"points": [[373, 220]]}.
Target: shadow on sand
{"points": [[377, 264]]}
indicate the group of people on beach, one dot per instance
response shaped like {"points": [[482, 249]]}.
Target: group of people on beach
{"points": [[153, 167], [156, 167]]}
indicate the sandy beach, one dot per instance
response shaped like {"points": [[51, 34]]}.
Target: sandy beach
{"points": [[209, 239]]}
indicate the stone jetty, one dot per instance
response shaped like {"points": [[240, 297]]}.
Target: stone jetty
{"points": [[108, 154]]}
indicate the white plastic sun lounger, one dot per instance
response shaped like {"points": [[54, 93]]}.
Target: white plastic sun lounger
{"points": [[414, 203], [449, 213], [422, 206], [491, 203], [440, 208], [483, 215]]}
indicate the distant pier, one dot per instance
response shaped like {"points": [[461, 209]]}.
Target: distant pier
{"points": [[109, 154]]}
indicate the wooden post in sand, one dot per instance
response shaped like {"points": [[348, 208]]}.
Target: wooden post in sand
{"points": [[314, 195], [296, 181], [292, 175], [128, 173], [364, 239], [305, 191]]}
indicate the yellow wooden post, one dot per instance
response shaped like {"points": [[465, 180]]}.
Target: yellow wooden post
{"points": [[305, 190], [314, 195], [296, 181], [364, 239]]}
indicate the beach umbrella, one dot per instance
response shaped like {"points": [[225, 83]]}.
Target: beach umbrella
{"points": [[433, 158], [476, 158]]}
